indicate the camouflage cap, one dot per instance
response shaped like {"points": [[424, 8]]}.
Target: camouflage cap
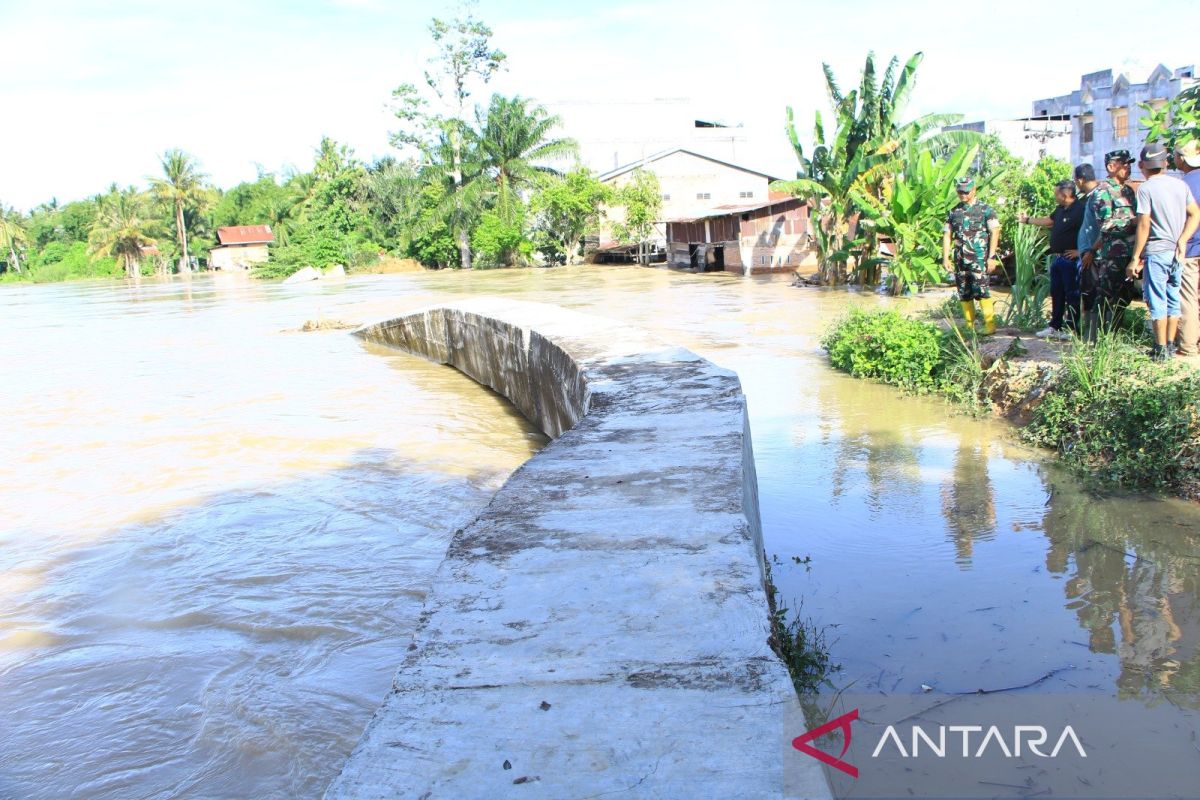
{"points": [[964, 185], [1118, 155]]}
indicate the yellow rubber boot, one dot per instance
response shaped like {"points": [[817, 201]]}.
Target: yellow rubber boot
{"points": [[989, 316], [968, 307]]}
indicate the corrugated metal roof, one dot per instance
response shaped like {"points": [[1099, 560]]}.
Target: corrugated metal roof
{"points": [[245, 234], [727, 210]]}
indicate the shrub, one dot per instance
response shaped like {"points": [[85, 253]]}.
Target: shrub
{"points": [[1118, 418], [887, 346]]}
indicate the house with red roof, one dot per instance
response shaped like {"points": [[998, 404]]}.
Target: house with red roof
{"points": [[241, 247]]}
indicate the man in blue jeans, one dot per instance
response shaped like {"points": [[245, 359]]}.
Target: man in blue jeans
{"points": [[1167, 216], [1064, 224]]}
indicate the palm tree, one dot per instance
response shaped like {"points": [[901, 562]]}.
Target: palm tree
{"points": [[515, 143], [12, 235], [181, 185], [122, 229]]}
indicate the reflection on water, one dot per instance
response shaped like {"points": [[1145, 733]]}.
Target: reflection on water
{"points": [[217, 533]]}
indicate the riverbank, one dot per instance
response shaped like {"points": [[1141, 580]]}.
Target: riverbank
{"points": [[1110, 414]]}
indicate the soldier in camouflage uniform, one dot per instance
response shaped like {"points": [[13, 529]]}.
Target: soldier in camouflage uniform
{"points": [[1106, 289], [969, 241]]}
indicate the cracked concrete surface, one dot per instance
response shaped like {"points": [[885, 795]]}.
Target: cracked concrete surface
{"points": [[600, 630]]}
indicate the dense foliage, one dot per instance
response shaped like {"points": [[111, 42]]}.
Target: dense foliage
{"points": [[1121, 419], [470, 186], [1113, 415], [886, 346], [899, 178]]}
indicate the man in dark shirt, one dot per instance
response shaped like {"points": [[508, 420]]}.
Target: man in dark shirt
{"points": [[1064, 223]]}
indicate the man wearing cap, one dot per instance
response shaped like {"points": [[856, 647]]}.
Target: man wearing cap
{"points": [[1106, 280], [1187, 161], [1167, 216], [969, 241]]}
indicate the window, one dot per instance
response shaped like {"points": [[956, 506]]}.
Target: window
{"points": [[666, 197], [746, 195], [1086, 130], [704, 195], [1120, 120]]}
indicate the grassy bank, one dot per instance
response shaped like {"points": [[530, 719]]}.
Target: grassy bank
{"points": [[1112, 415]]}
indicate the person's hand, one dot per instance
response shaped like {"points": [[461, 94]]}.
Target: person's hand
{"points": [[1023, 217], [1071, 254], [946, 265], [992, 264], [1087, 258], [1134, 270]]}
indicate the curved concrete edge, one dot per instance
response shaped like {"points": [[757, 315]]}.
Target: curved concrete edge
{"points": [[601, 627]]}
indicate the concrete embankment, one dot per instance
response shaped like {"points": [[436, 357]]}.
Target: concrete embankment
{"points": [[601, 628]]}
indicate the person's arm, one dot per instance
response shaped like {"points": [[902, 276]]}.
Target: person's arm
{"points": [[1139, 243], [993, 243], [1041, 222], [946, 248], [1189, 230]]}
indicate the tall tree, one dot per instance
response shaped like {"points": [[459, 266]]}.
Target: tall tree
{"points": [[516, 141], [13, 235], [566, 210], [642, 199], [181, 184], [464, 57], [122, 229]]}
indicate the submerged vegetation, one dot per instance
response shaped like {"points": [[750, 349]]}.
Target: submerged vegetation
{"points": [[1111, 414]]}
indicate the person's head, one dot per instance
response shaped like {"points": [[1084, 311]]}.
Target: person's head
{"points": [[1153, 160], [1064, 193], [1116, 163], [1187, 156], [1085, 177], [966, 190]]}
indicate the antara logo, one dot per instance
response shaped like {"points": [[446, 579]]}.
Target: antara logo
{"points": [[1024, 738], [801, 743]]}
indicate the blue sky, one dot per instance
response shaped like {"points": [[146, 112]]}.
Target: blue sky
{"points": [[93, 92]]}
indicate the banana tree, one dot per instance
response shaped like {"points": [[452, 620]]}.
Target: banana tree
{"points": [[912, 211]]}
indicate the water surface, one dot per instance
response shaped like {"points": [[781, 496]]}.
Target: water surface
{"points": [[217, 533]]}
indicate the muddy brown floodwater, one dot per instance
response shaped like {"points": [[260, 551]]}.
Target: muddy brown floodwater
{"points": [[216, 533]]}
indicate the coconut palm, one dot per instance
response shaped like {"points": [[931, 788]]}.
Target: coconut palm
{"points": [[180, 185], [12, 236], [122, 229], [516, 144]]}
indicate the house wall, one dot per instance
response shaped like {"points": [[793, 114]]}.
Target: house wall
{"points": [[772, 239], [237, 256], [682, 178], [1095, 101]]}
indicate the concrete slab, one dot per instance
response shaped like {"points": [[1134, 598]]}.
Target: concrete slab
{"points": [[602, 626]]}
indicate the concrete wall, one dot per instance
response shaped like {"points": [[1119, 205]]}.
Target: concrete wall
{"points": [[1100, 95], [237, 256], [601, 628]]}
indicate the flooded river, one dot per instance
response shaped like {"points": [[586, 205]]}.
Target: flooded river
{"points": [[217, 531]]}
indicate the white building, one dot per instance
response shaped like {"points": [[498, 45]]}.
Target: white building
{"points": [[615, 132], [1030, 138], [1106, 112]]}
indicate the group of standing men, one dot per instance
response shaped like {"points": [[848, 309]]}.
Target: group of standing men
{"points": [[1103, 237], [1120, 235]]}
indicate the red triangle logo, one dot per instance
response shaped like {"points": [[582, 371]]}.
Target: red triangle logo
{"points": [[801, 743]]}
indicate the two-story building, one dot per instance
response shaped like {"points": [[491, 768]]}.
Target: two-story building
{"points": [[1106, 113]]}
